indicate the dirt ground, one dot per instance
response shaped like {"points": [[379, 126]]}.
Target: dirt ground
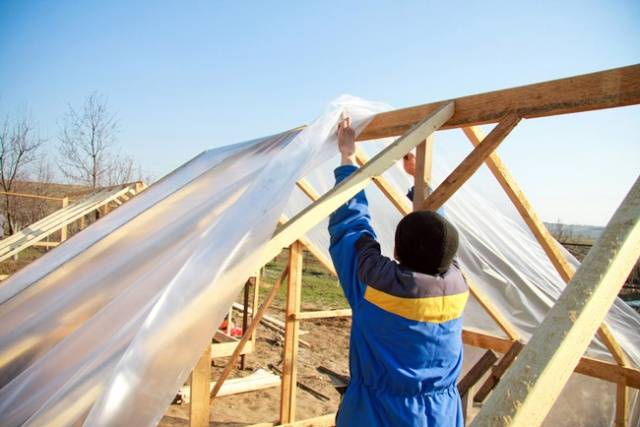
{"points": [[329, 340]]}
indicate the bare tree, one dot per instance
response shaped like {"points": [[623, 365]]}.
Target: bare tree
{"points": [[18, 148], [87, 147]]}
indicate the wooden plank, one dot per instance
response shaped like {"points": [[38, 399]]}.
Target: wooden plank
{"points": [[292, 327], [422, 177], [499, 370], [531, 386], [246, 337], [539, 230], [307, 315], [605, 89], [308, 189], [330, 201], [471, 163], [259, 380], [226, 349], [199, 403]]}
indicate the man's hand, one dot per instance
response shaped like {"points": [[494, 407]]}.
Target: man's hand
{"points": [[346, 141], [409, 163]]}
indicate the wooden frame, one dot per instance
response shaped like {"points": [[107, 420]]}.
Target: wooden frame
{"points": [[34, 234], [606, 89]]}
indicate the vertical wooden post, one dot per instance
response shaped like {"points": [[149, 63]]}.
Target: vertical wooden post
{"points": [[422, 179], [64, 229], [291, 332], [622, 405], [200, 380], [255, 304], [245, 314], [82, 223]]}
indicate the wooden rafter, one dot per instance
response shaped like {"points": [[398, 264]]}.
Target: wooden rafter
{"points": [[471, 163], [596, 91]]}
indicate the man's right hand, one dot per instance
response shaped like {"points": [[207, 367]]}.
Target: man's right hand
{"points": [[346, 140]]}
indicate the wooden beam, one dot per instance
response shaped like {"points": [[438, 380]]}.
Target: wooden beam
{"points": [[226, 349], [246, 337], [529, 389], [309, 315], [330, 201], [199, 402], [471, 163], [497, 373], [308, 189], [291, 336], [422, 176], [539, 230], [605, 89]]}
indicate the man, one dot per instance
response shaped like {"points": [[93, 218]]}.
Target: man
{"points": [[406, 345]]}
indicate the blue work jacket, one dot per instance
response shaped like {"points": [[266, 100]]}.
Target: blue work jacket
{"points": [[406, 343]]}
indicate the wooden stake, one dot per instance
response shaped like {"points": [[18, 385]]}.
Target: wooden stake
{"points": [[471, 163], [199, 403], [256, 320], [292, 327], [531, 386]]}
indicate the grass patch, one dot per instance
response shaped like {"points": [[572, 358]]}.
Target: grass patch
{"points": [[320, 289]]}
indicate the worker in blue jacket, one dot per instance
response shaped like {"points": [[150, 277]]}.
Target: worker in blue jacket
{"points": [[406, 346]]}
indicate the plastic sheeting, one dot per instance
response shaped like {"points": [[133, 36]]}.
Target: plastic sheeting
{"points": [[104, 329]]}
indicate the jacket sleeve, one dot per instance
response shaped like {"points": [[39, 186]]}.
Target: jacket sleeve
{"points": [[346, 225]]}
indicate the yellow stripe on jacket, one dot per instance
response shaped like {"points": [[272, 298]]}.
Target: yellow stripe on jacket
{"points": [[437, 309]]}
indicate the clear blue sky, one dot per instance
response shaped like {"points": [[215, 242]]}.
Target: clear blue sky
{"points": [[187, 76]]}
